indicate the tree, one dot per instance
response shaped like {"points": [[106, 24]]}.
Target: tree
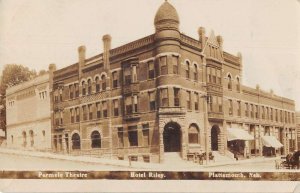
{"points": [[14, 74]]}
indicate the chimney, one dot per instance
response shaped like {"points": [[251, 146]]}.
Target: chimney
{"points": [[106, 48], [51, 68], [220, 42], [81, 55], [202, 38]]}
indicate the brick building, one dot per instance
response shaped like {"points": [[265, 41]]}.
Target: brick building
{"points": [[166, 92], [28, 115]]}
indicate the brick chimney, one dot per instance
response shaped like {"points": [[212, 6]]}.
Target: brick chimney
{"points": [[106, 48], [202, 38], [81, 58]]}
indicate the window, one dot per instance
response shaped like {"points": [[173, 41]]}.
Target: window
{"points": [[60, 94], [195, 72], [132, 136], [103, 80], [115, 79], [134, 73], [98, 110], [24, 139], [187, 70], [97, 81], [238, 86], [120, 137], [146, 135], [75, 141], [176, 97], [239, 108], [268, 114], [55, 98], [104, 109], [71, 94], [164, 97], [76, 89], [229, 82], [152, 101], [151, 69], [61, 117], [220, 103], [188, 100], [256, 111], [175, 64], [135, 103], [219, 80], [83, 88], [230, 107], [251, 110], [84, 112], [12, 139], [77, 114], [127, 76], [128, 105], [271, 114], [193, 134], [214, 75], [72, 115], [263, 112], [31, 138], [163, 65], [90, 107], [246, 109], [281, 116], [96, 139], [89, 87], [276, 115], [196, 99], [116, 107], [208, 74]]}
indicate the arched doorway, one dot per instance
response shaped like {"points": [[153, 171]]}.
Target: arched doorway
{"points": [[172, 137], [215, 131], [75, 141]]}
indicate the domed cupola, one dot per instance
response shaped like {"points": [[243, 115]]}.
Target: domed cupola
{"points": [[166, 18]]}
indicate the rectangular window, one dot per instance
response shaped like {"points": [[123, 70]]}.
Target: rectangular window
{"points": [[76, 85], [175, 64], [71, 91], [163, 65], [104, 109], [128, 105], [90, 107], [77, 114], [208, 74], [276, 115], [246, 109], [239, 108], [146, 135], [263, 112], [127, 75], [116, 107], [252, 111], [133, 136], [271, 114], [220, 103], [120, 137], [72, 115], [230, 107], [151, 69], [152, 101], [196, 99], [115, 79], [268, 114], [164, 97], [60, 94], [84, 113], [134, 73], [256, 111], [176, 97], [188, 100], [219, 77], [135, 103], [214, 77], [98, 110]]}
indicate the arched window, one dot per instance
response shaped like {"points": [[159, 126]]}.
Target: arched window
{"points": [[83, 88], [103, 80], [89, 87], [195, 72], [238, 84], [229, 82], [75, 141], [96, 139], [24, 139], [187, 70], [31, 138], [97, 84], [193, 134]]}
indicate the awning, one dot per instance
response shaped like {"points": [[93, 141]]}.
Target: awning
{"points": [[271, 141], [238, 134]]}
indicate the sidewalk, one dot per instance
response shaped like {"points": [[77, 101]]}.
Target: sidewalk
{"points": [[178, 166]]}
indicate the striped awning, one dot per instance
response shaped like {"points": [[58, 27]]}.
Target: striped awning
{"points": [[238, 134], [271, 141]]}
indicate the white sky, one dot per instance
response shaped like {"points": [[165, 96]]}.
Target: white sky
{"points": [[267, 32]]}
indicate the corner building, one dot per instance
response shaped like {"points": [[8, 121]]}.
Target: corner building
{"points": [[166, 92]]}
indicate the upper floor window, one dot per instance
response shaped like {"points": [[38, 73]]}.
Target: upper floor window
{"points": [[127, 76], [195, 72], [128, 105], [151, 69], [176, 97], [135, 103], [98, 105], [116, 107], [238, 84], [214, 75], [76, 85], [72, 113], [115, 79], [188, 100], [175, 64], [89, 86], [61, 94], [229, 82], [196, 101], [11, 103], [230, 107], [134, 73], [252, 111], [84, 112], [219, 81], [83, 88], [164, 97], [104, 109], [90, 109], [163, 65], [71, 91], [77, 114], [97, 81], [103, 80], [43, 94], [246, 109], [256, 112], [239, 108], [187, 69], [152, 101], [220, 103]]}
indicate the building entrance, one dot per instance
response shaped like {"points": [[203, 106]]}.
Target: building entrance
{"points": [[215, 130], [172, 137]]}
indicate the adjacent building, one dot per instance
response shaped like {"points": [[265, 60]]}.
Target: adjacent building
{"points": [[28, 115], [166, 92]]}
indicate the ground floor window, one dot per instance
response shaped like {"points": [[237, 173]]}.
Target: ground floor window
{"points": [[75, 141], [96, 139], [133, 136], [193, 134]]}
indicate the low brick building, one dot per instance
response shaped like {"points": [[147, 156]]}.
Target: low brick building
{"points": [[166, 92]]}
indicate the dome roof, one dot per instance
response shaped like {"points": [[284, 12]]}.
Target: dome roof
{"points": [[166, 12]]}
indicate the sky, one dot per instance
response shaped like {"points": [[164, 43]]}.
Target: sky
{"points": [[36, 33]]}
